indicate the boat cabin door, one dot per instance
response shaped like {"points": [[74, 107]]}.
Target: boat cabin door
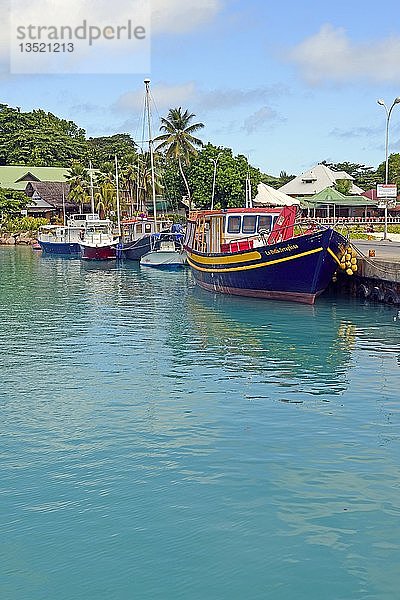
{"points": [[216, 233]]}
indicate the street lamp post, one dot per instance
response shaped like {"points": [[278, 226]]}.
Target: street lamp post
{"points": [[388, 114], [215, 161]]}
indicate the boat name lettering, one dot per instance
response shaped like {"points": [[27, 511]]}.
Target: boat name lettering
{"points": [[281, 250]]}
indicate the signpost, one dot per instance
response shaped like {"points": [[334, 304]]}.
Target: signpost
{"points": [[386, 190]]}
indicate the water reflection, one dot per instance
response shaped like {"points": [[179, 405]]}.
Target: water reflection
{"points": [[299, 348], [142, 414]]}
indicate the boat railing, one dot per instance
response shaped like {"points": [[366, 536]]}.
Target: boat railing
{"points": [[158, 240], [261, 237]]}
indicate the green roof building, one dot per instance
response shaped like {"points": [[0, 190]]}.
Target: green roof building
{"points": [[17, 178], [330, 202], [333, 197]]}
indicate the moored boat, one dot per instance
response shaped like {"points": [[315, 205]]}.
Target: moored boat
{"points": [[65, 239], [138, 233], [99, 242], [255, 252], [166, 252]]}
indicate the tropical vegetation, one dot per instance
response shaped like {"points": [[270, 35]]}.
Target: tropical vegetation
{"points": [[184, 163], [178, 141]]}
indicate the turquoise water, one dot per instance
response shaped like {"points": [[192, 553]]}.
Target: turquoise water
{"points": [[162, 443]]}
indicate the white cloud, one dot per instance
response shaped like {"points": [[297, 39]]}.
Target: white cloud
{"points": [[171, 17], [181, 16], [356, 132], [166, 96], [260, 118], [231, 97], [330, 56]]}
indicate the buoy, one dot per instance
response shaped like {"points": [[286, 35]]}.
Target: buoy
{"points": [[354, 268], [353, 261], [349, 272]]}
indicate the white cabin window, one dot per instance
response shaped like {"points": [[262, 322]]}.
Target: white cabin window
{"points": [[234, 224], [264, 222], [249, 224]]}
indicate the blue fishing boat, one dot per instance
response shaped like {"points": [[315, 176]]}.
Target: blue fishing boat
{"points": [[66, 239], [139, 235], [255, 252]]}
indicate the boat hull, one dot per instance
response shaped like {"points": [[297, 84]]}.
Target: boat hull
{"points": [[164, 259], [99, 252], [59, 248], [135, 250], [298, 270]]}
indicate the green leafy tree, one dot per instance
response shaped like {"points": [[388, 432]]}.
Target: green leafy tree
{"points": [[178, 140], [11, 202], [343, 186], [283, 178], [38, 138], [106, 199], [394, 170], [104, 149], [231, 174]]}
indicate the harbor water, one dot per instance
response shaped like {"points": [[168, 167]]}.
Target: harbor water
{"points": [[162, 443]]}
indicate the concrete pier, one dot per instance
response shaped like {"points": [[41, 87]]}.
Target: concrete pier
{"points": [[378, 277]]}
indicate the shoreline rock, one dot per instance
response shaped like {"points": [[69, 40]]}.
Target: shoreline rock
{"points": [[22, 238]]}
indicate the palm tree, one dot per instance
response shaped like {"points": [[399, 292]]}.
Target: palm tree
{"points": [[106, 199], [79, 186], [178, 139]]}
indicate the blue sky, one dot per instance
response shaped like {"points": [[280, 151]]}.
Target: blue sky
{"points": [[286, 83]]}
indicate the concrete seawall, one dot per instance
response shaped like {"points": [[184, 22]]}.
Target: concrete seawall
{"points": [[378, 277]]}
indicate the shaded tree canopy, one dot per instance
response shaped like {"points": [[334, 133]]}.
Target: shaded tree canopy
{"points": [[365, 177], [231, 173], [394, 170], [104, 149], [38, 138]]}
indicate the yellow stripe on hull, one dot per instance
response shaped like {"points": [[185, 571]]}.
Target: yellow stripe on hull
{"points": [[227, 260], [192, 257], [334, 256]]}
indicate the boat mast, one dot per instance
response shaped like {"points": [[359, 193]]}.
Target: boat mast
{"points": [[63, 205], [117, 189], [151, 149], [249, 202], [91, 187]]}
